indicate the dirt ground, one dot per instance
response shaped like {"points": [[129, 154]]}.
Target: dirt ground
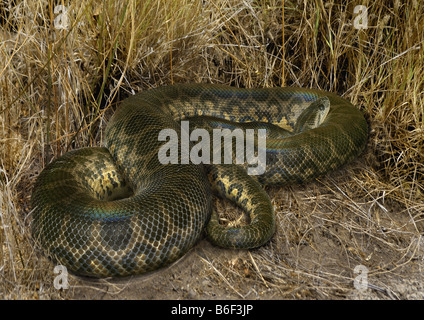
{"points": [[185, 280]]}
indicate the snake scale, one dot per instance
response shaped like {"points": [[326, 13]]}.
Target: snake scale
{"points": [[117, 210]]}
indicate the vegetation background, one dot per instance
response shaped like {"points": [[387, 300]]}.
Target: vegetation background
{"points": [[65, 64]]}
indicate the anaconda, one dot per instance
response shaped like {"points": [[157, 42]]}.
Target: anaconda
{"points": [[117, 210]]}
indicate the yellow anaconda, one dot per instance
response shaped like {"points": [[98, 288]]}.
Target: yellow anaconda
{"points": [[118, 210]]}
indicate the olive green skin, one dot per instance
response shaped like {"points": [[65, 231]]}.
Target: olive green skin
{"points": [[118, 211]]}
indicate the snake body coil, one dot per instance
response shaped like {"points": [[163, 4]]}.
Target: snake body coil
{"points": [[117, 210]]}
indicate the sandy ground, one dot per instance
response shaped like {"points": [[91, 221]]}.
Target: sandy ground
{"points": [[186, 280]]}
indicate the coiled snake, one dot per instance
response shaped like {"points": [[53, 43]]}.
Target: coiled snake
{"points": [[118, 210]]}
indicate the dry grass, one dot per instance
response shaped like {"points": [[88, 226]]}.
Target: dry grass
{"points": [[59, 86]]}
